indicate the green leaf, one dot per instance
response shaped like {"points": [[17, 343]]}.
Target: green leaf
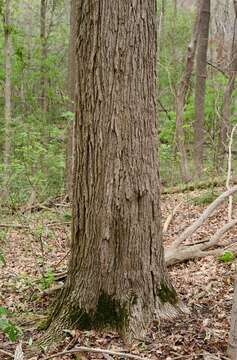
{"points": [[3, 311], [2, 259], [228, 256], [69, 115], [9, 329]]}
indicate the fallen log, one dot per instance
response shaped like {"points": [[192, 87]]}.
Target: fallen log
{"points": [[206, 184]]}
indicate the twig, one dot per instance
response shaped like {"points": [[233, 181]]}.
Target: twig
{"points": [[170, 218], [17, 226], [7, 353], [58, 224], [217, 68], [61, 260], [95, 350], [52, 290], [164, 109]]}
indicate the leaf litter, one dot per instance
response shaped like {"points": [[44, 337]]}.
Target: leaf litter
{"points": [[204, 285]]}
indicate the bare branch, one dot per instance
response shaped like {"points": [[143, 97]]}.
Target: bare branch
{"points": [[170, 218], [95, 350], [209, 211], [7, 353], [217, 236], [229, 174]]}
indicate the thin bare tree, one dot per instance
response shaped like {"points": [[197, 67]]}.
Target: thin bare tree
{"points": [[225, 123], [201, 74], [181, 98], [7, 95], [72, 76]]}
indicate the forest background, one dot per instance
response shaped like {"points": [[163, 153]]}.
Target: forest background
{"points": [[36, 111]]}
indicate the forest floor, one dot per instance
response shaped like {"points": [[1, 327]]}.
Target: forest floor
{"points": [[40, 247]]}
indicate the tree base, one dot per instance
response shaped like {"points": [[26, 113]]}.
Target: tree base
{"points": [[130, 318]]}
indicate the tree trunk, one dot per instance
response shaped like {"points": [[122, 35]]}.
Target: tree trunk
{"points": [[43, 39], [7, 95], [225, 124], [232, 350], [72, 76], [180, 102], [117, 275], [201, 73]]}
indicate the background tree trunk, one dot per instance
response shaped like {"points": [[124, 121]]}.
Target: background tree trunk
{"points": [[181, 97], [43, 39], [232, 350], [72, 76], [201, 73], [225, 123], [7, 95], [117, 275]]}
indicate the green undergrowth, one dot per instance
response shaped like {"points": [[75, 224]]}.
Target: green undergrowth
{"points": [[205, 198], [7, 326]]}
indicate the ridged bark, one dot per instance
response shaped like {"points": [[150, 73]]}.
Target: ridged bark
{"points": [[117, 275]]}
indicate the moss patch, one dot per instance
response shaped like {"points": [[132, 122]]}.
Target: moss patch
{"points": [[109, 313], [167, 294]]}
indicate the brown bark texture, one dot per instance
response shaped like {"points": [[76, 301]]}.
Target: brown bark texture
{"points": [[117, 275], [181, 97], [72, 77], [201, 74]]}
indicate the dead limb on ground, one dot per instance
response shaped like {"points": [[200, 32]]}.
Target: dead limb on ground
{"points": [[202, 185], [178, 252], [84, 349]]}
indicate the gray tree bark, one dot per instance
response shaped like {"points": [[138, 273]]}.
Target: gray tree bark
{"points": [[225, 123], [201, 74], [72, 77], [181, 97], [117, 275]]}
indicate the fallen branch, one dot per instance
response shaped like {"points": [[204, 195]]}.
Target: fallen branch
{"points": [[229, 174], [7, 353], [95, 350], [175, 256], [209, 210], [52, 290], [218, 181], [217, 236], [16, 226], [58, 224]]}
